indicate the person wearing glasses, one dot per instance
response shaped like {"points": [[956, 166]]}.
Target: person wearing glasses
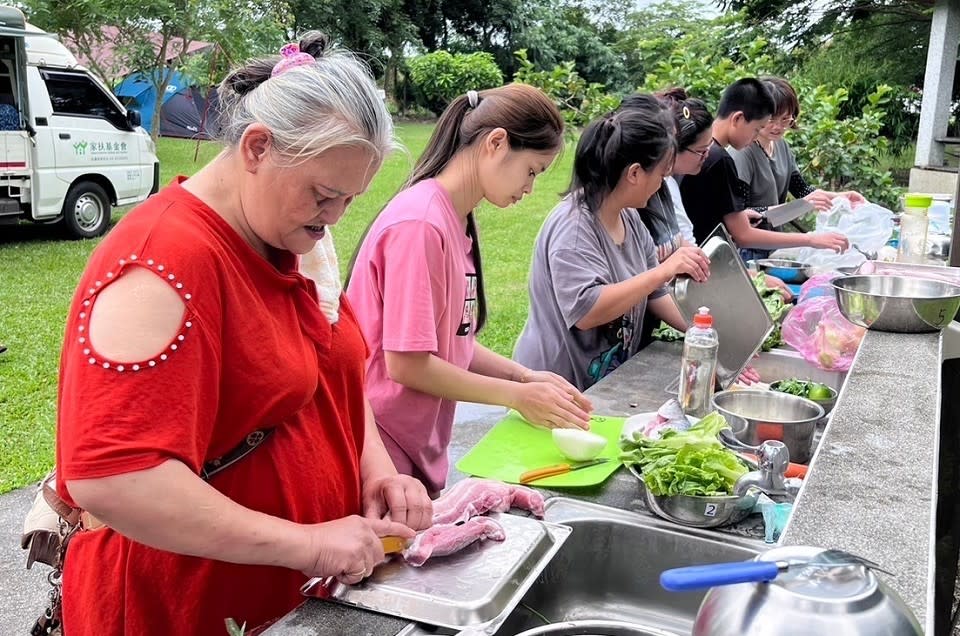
{"points": [[767, 168], [714, 194], [665, 215], [661, 216], [694, 137]]}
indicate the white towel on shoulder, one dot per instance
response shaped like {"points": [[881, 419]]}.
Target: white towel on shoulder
{"points": [[320, 265]]}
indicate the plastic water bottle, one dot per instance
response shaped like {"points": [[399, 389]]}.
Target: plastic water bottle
{"points": [[698, 368], [914, 223]]}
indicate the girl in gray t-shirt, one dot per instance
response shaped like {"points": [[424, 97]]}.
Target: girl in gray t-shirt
{"points": [[595, 269]]}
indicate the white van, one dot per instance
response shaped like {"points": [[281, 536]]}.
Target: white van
{"points": [[68, 149]]}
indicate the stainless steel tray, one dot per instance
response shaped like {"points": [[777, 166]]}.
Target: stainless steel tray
{"points": [[476, 589], [741, 320]]}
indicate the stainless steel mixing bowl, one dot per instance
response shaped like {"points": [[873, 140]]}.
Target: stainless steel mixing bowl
{"points": [[757, 416], [897, 303]]}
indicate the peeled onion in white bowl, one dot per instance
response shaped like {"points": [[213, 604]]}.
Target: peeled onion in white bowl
{"points": [[578, 445]]}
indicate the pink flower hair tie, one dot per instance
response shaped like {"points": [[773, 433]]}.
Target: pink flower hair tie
{"points": [[291, 56]]}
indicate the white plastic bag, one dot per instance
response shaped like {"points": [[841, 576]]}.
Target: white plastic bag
{"points": [[868, 226]]}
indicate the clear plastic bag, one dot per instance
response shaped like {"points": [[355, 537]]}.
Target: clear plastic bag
{"points": [[868, 226], [818, 330]]}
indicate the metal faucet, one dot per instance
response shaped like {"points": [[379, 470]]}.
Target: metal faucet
{"points": [[773, 458]]}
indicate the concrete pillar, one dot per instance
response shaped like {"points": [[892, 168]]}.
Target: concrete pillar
{"points": [[938, 82]]}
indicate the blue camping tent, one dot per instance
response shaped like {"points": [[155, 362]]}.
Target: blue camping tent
{"points": [[186, 111]]}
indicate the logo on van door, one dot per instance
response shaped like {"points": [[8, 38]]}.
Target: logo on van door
{"points": [[101, 150]]}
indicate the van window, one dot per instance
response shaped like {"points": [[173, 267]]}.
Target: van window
{"points": [[75, 94]]}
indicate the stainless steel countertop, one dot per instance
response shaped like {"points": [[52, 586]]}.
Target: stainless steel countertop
{"points": [[873, 486], [859, 496]]}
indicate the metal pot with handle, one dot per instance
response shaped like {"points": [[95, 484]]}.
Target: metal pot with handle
{"points": [[793, 591]]}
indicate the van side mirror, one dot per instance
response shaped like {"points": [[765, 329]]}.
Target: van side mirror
{"points": [[133, 118]]}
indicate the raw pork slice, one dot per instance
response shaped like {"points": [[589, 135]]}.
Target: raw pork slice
{"points": [[474, 497], [527, 499], [449, 538]]}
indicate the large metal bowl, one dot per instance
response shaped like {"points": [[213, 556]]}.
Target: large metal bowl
{"points": [[847, 601], [792, 272], [698, 512], [897, 303], [827, 403], [759, 415]]}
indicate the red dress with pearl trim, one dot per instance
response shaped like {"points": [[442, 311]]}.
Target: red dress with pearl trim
{"points": [[253, 351]]}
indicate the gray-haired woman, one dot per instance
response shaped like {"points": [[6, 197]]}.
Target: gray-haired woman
{"points": [[212, 421]]}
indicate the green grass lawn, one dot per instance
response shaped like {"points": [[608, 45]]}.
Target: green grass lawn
{"points": [[39, 269]]}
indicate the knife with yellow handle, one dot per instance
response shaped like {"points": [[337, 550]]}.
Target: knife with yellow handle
{"points": [[557, 469], [392, 544]]}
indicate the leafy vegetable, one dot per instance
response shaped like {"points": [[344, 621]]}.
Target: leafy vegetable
{"points": [[690, 462], [803, 388], [776, 307], [666, 333], [775, 339]]}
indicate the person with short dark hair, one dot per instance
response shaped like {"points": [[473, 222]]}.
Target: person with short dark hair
{"points": [[714, 195], [767, 167]]}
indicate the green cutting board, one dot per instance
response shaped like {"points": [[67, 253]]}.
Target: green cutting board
{"points": [[513, 447]]}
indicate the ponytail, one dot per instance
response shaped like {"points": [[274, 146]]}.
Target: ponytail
{"points": [[446, 140], [637, 134], [532, 122]]}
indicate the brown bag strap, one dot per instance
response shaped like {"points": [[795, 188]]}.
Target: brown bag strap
{"points": [[58, 505]]}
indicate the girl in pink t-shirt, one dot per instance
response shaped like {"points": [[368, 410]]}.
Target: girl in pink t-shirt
{"points": [[417, 284]]}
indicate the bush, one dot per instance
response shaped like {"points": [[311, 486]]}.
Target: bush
{"points": [[439, 77], [844, 154], [578, 100]]}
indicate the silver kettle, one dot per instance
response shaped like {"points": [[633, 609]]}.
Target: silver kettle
{"points": [[806, 595]]}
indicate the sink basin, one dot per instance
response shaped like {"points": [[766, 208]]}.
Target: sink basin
{"points": [[609, 569], [780, 364]]}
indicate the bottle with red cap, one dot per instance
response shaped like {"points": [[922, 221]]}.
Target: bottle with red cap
{"points": [[698, 368]]}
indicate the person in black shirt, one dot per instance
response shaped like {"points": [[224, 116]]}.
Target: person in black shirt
{"points": [[713, 196]]}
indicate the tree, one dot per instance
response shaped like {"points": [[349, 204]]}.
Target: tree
{"points": [[559, 34], [155, 37], [652, 35], [80, 25], [867, 55], [809, 21], [379, 30]]}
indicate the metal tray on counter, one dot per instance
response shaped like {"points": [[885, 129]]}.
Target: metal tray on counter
{"points": [[739, 316], [476, 588]]}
